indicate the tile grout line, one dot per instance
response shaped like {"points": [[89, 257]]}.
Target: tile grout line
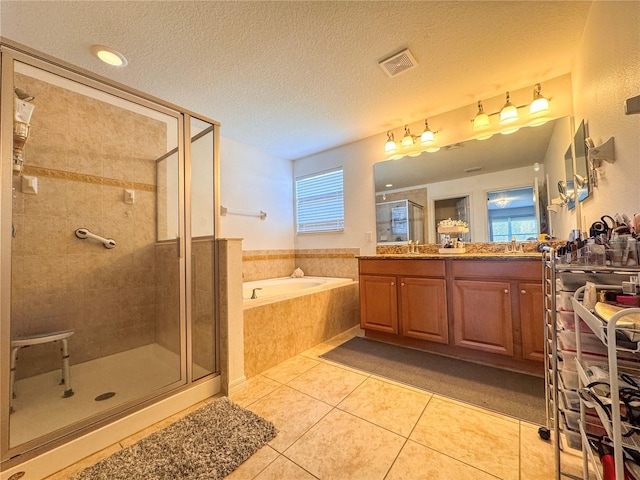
{"points": [[406, 440]]}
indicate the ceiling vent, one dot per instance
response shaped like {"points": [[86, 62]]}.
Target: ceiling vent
{"points": [[472, 169], [398, 63]]}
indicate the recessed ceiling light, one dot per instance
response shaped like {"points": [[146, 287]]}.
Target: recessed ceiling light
{"points": [[109, 55]]}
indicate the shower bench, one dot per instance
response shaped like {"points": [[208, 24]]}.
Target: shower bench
{"points": [[18, 343]]}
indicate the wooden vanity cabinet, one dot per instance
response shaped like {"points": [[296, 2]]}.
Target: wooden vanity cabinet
{"points": [[482, 316], [412, 303], [484, 310], [531, 328], [423, 309], [379, 303], [498, 307]]}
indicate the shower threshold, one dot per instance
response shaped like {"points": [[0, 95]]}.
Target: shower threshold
{"points": [[40, 409]]}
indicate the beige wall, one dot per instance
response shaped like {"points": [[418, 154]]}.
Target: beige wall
{"points": [[331, 262], [606, 72], [84, 153]]}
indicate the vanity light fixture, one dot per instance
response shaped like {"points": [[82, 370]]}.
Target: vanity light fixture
{"points": [[540, 104], [407, 139], [481, 120], [538, 110], [509, 112], [109, 55], [427, 137], [390, 146]]}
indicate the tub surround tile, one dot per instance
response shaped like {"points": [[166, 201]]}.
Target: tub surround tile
{"points": [[392, 407], [470, 436], [327, 383], [292, 412], [344, 446], [431, 465]]}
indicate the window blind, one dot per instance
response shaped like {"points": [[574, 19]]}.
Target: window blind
{"points": [[320, 202]]}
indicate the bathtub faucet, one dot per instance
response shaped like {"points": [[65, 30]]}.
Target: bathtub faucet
{"points": [[253, 294]]}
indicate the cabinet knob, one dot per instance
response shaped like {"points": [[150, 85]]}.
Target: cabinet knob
{"points": [[506, 291], [523, 292], [393, 283]]}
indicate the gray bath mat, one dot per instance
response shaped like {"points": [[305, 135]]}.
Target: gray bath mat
{"points": [[206, 444], [514, 394]]}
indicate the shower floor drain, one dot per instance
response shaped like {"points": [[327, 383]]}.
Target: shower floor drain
{"points": [[104, 396]]}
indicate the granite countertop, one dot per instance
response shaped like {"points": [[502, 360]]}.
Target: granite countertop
{"points": [[455, 256]]}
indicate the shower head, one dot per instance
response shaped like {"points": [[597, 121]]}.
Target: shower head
{"points": [[22, 95]]}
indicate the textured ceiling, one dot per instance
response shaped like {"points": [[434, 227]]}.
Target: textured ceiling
{"points": [[295, 78]]}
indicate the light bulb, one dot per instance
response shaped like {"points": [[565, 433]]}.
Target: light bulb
{"points": [[427, 136], [390, 146], [539, 105], [509, 112], [407, 140], [481, 120], [536, 167], [109, 55]]}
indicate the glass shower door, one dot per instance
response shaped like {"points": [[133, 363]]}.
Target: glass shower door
{"points": [[97, 279]]}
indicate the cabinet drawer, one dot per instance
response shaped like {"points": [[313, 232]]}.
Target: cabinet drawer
{"points": [[421, 267], [508, 269]]}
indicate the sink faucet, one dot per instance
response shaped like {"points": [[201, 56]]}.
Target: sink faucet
{"points": [[253, 294], [514, 247]]}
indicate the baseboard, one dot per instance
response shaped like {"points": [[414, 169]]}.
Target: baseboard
{"points": [[237, 384], [61, 457]]}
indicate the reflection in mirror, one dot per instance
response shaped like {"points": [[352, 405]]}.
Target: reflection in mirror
{"points": [[471, 168], [455, 209], [582, 172], [401, 218], [512, 214], [567, 190]]}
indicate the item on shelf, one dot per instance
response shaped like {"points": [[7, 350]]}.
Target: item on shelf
{"points": [[605, 452], [630, 323]]}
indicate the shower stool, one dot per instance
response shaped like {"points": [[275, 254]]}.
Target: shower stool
{"points": [[19, 343]]}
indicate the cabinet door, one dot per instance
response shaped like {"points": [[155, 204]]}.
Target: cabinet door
{"points": [[423, 309], [482, 316], [379, 303], [531, 321]]}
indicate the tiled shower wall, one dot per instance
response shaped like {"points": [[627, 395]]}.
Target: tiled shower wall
{"points": [[84, 153], [334, 262]]}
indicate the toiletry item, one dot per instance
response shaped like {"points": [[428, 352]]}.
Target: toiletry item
{"points": [[590, 295], [632, 252], [628, 300], [297, 273]]}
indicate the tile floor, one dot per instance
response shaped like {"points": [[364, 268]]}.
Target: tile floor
{"points": [[339, 423]]}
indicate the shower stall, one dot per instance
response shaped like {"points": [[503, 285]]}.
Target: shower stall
{"points": [[107, 234]]}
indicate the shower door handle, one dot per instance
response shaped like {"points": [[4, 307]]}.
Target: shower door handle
{"points": [[179, 246]]}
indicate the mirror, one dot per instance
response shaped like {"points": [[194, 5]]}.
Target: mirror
{"points": [[473, 168], [582, 173], [566, 188]]}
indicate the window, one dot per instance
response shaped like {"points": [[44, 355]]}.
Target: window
{"points": [[320, 202], [512, 214]]}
